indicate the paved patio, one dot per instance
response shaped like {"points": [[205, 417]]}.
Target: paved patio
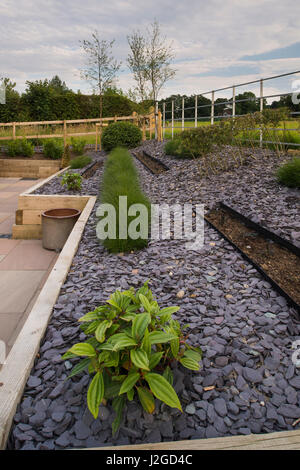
{"points": [[24, 264]]}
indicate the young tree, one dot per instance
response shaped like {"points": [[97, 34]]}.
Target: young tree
{"points": [[101, 68], [159, 56], [149, 61], [137, 63]]}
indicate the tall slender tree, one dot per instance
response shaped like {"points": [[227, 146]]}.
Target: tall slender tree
{"points": [[150, 60], [101, 67]]}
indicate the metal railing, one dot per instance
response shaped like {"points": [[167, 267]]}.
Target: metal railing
{"points": [[168, 108]]}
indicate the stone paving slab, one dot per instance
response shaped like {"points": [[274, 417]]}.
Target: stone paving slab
{"points": [[7, 245], [3, 216], [7, 194], [31, 256], [6, 225], [9, 326], [16, 290]]}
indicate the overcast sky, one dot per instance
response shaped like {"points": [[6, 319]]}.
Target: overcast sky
{"points": [[217, 42]]}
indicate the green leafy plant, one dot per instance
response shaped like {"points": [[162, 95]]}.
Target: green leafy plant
{"points": [[289, 173], [121, 134], [53, 148], [72, 180], [120, 178], [78, 145], [80, 162], [131, 346], [20, 147]]}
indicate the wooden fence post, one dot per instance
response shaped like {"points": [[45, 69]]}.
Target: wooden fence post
{"points": [[144, 129], [65, 133], [14, 131], [96, 143], [159, 129]]}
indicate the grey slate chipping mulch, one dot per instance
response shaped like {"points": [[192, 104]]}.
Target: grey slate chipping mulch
{"points": [[244, 327]]}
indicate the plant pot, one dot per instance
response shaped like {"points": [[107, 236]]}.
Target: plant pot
{"points": [[57, 224]]}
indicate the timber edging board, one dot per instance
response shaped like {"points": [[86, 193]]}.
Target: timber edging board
{"points": [[14, 373], [284, 440], [18, 168]]}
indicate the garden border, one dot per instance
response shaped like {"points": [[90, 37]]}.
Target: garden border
{"points": [[15, 371]]}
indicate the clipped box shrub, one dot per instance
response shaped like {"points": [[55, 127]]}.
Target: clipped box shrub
{"points": [[289, 173], [121, 134], [131, 343], [53, 148], [78, 145], [20, 148], [120, 179], [80, 162]]}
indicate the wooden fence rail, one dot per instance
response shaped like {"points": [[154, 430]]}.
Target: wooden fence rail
{"points": [[145, 122]]}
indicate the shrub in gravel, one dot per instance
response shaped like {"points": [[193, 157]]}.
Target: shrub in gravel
{"points": [[78, 145], [53, 148], [120, 179], [175, 148], [289, 173], [72, 180], [131, 347], [21, 148], [121, 134], [80, 162]]}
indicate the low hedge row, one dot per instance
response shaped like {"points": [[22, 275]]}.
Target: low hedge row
{"points": [[120, 178]]}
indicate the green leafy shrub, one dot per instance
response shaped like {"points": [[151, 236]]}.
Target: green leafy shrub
{"points": [[120, 179], [53, 148], [131, 346], [121, 134], [175, 148], [78, 145], [289, 173], [72, 180], [21, 148], [80, 162]]}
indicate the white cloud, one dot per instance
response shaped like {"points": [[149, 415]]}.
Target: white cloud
{"points": [[41, 38]]}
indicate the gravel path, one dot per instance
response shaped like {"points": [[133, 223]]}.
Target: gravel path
{"points": [[247, 383], [251, 189]]}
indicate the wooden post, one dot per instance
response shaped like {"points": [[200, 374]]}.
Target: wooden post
{"points": [[144, 129], [96, 144], [134, 116], [182, 115], [100, 137], [14, 131], [65, 133], [115, 118], [159, 129], [196, 111]]}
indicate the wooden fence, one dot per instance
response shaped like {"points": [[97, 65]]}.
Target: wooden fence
{"points": [[145, 122]]}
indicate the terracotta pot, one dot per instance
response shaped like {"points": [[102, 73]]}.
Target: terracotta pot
{"points": [[57, 224]]}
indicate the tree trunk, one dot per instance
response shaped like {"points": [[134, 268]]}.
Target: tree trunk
{"points": [[101, 105]]}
